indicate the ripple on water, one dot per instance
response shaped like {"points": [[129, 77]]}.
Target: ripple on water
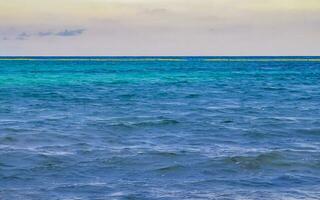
{"points": [[159, 130], [145, 123], [171, 168], [252, 162]]}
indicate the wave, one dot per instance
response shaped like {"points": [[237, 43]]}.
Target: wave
{"points": [[10, 139], [309, 131], [170, 168], [258, 161], [160, 122], [191, 96]]}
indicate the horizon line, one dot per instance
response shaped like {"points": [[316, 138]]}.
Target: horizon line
{"points": [[153, 56]]}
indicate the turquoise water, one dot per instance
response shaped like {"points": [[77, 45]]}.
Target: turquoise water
{"points": [[159, 128]]}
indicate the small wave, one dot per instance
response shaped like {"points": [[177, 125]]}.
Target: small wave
{"points": [[76, 187], [117, 194], [15, 177], [257, 134], [127, 96], [4, 165], [256, 162], [309, 131], [227, 121], [86, 184], [8, 139], [274, 88], [16, 130], [171, 168], [305, 98], [191, 96], [56, 153], [160, 122], [164, 154], [156, 122]]}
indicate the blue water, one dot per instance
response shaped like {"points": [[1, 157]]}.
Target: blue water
{"points": [[159, 128]]}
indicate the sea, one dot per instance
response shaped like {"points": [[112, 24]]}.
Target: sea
{"points": [[159, 128]]}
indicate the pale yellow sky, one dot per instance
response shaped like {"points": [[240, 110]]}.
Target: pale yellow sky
{"points": [[159, 27]]}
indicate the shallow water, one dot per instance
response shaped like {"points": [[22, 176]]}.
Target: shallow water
{"points": [[159, 128]]}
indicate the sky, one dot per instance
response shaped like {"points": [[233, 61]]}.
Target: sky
{"points": [[159, 27]]}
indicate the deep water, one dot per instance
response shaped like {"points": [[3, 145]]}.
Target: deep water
{"points": [[159, 128]]}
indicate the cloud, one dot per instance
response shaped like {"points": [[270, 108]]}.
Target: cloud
{"points": [[41, 34], [44, 34], [23, 36], [70, 33]]}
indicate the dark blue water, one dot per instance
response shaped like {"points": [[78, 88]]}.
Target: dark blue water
{"points": [[159, 128]]}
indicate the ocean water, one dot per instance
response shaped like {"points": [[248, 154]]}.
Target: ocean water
{"points": [[100, 128]]}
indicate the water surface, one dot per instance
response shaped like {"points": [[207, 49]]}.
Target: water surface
{"points": [[159, 128]]}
